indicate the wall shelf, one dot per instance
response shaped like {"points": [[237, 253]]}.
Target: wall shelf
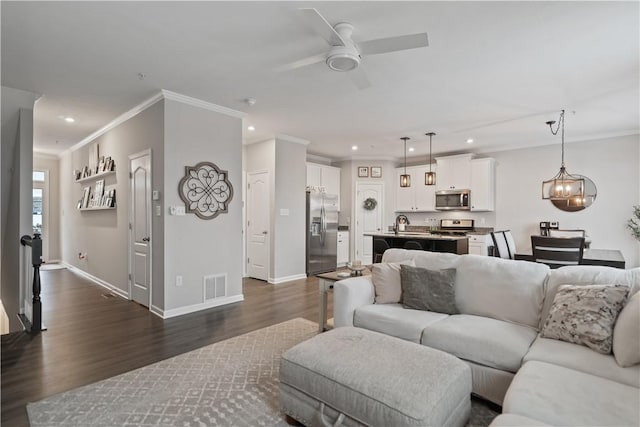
{"points": [[100, 208], [95, 177]]}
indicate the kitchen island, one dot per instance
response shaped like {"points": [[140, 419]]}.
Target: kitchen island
{"points": [[426, 241]]}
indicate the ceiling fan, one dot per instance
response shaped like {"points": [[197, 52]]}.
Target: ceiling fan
{"points": [[344, 54]]}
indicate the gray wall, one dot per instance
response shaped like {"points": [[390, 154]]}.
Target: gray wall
{"points": [[103, 235], [52, 165], [289, 236], [17, 166], [195, 247]]}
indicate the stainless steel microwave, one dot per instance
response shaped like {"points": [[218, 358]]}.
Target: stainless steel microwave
{"points": [[453, 200]]}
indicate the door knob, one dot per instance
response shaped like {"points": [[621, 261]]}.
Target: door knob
{"points": [[264, 232], [146, 239]]}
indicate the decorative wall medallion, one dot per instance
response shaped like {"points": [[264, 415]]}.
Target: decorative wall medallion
{"points": [[205, 190]]}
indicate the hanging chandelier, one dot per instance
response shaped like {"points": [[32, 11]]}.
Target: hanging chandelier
{"points": [[564, 187], [430, 177], [405, 180]]}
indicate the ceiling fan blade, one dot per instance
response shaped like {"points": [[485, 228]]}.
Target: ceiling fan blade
{"points": [[392, 44], [359, 78], [321, 57], [322, 27]]}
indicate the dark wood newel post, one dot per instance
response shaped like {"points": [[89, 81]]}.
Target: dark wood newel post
{"points": [[36, 259]]}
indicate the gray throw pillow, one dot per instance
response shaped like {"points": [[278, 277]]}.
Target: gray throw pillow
{"points": [[585, 315], [431, 290]]}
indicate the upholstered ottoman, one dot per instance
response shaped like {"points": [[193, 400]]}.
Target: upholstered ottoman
{"points": [[352, 376]]}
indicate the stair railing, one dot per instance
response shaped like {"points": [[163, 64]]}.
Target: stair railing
{"points": [[35, 243]]}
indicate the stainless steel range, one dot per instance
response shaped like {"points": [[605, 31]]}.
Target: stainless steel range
{"points": [[455, 227]]}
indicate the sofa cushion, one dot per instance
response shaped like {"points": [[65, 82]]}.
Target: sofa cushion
{"points": [[394, 320], [561, 396], [431, 290], [587, 275], [386, 281], [501, 289], [626, 334], [424, 259], [585, 315], [583, 359], [482, 340]]}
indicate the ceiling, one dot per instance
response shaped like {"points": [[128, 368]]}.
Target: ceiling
{"points": [[494, 71]]}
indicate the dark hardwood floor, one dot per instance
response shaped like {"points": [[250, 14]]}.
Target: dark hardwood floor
{"points": [[91, 337]]}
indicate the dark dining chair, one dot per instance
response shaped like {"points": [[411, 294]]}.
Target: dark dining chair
{"points": [[412, 244], [557, 251], [501, 248], [379, 246]]}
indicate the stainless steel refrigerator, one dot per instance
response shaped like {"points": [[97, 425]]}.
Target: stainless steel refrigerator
{"points": [[322, 232]]}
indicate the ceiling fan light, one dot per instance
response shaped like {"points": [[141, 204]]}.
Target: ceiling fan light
{"points": [[343, 61]]}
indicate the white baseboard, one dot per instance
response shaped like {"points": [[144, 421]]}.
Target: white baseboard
{"points": [[97, 280], [157, 311], [166, 314], [54, 261], [278, 280]]}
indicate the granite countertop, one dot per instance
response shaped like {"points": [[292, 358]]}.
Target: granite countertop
{"points": [[416, 236]]}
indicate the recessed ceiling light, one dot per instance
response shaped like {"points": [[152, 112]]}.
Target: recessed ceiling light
{"points": [[470, 141], [412, 149], [251, 128], [354, 147], [69, 119]]}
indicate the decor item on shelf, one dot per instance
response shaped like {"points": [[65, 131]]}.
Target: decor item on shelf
{"points": [[363, 172], [566, 191], [376, 171], [205, 190], [369, 204], [405, 180], [634, 223], [430, 177]]}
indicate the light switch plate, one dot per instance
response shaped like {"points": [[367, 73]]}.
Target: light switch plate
{"points": [[284, 212], [155, 195], [158, 210]]}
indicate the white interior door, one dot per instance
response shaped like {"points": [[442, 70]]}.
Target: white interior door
{"points": [[367, 221], [258, 224], [41, 209], [140, 221]]}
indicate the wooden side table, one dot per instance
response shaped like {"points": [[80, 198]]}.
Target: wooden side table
{"points": [[325, 285]]}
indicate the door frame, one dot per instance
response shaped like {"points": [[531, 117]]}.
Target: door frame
{"points": [[149, 221], [354, 219], [246, 227], [45, 212]]}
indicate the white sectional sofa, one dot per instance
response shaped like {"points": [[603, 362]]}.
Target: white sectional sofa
{"points": [[503, 305]]}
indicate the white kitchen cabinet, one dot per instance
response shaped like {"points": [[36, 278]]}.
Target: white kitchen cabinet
{"points": [[483, 184], [479, 244], [418, 197], [314, 175], [454, 172], [343, 248], [324, 176]]}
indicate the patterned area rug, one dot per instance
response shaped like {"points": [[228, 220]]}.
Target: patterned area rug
{"points": [[230, 383]]}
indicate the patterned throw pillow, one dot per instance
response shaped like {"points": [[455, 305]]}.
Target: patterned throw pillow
{"points": [[431, 290], [585, 315]]}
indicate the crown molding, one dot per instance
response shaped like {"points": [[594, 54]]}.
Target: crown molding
{"points": [[184, 99], [42, 154], [293, 139], [115, 122]]}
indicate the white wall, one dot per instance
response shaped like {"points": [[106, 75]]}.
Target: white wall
{"points": [[103, 235], [52, 165], [16, 157], [195, 247], [612, 164]]}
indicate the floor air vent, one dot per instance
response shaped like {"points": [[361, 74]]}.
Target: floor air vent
{"points": [[215, 286]]}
